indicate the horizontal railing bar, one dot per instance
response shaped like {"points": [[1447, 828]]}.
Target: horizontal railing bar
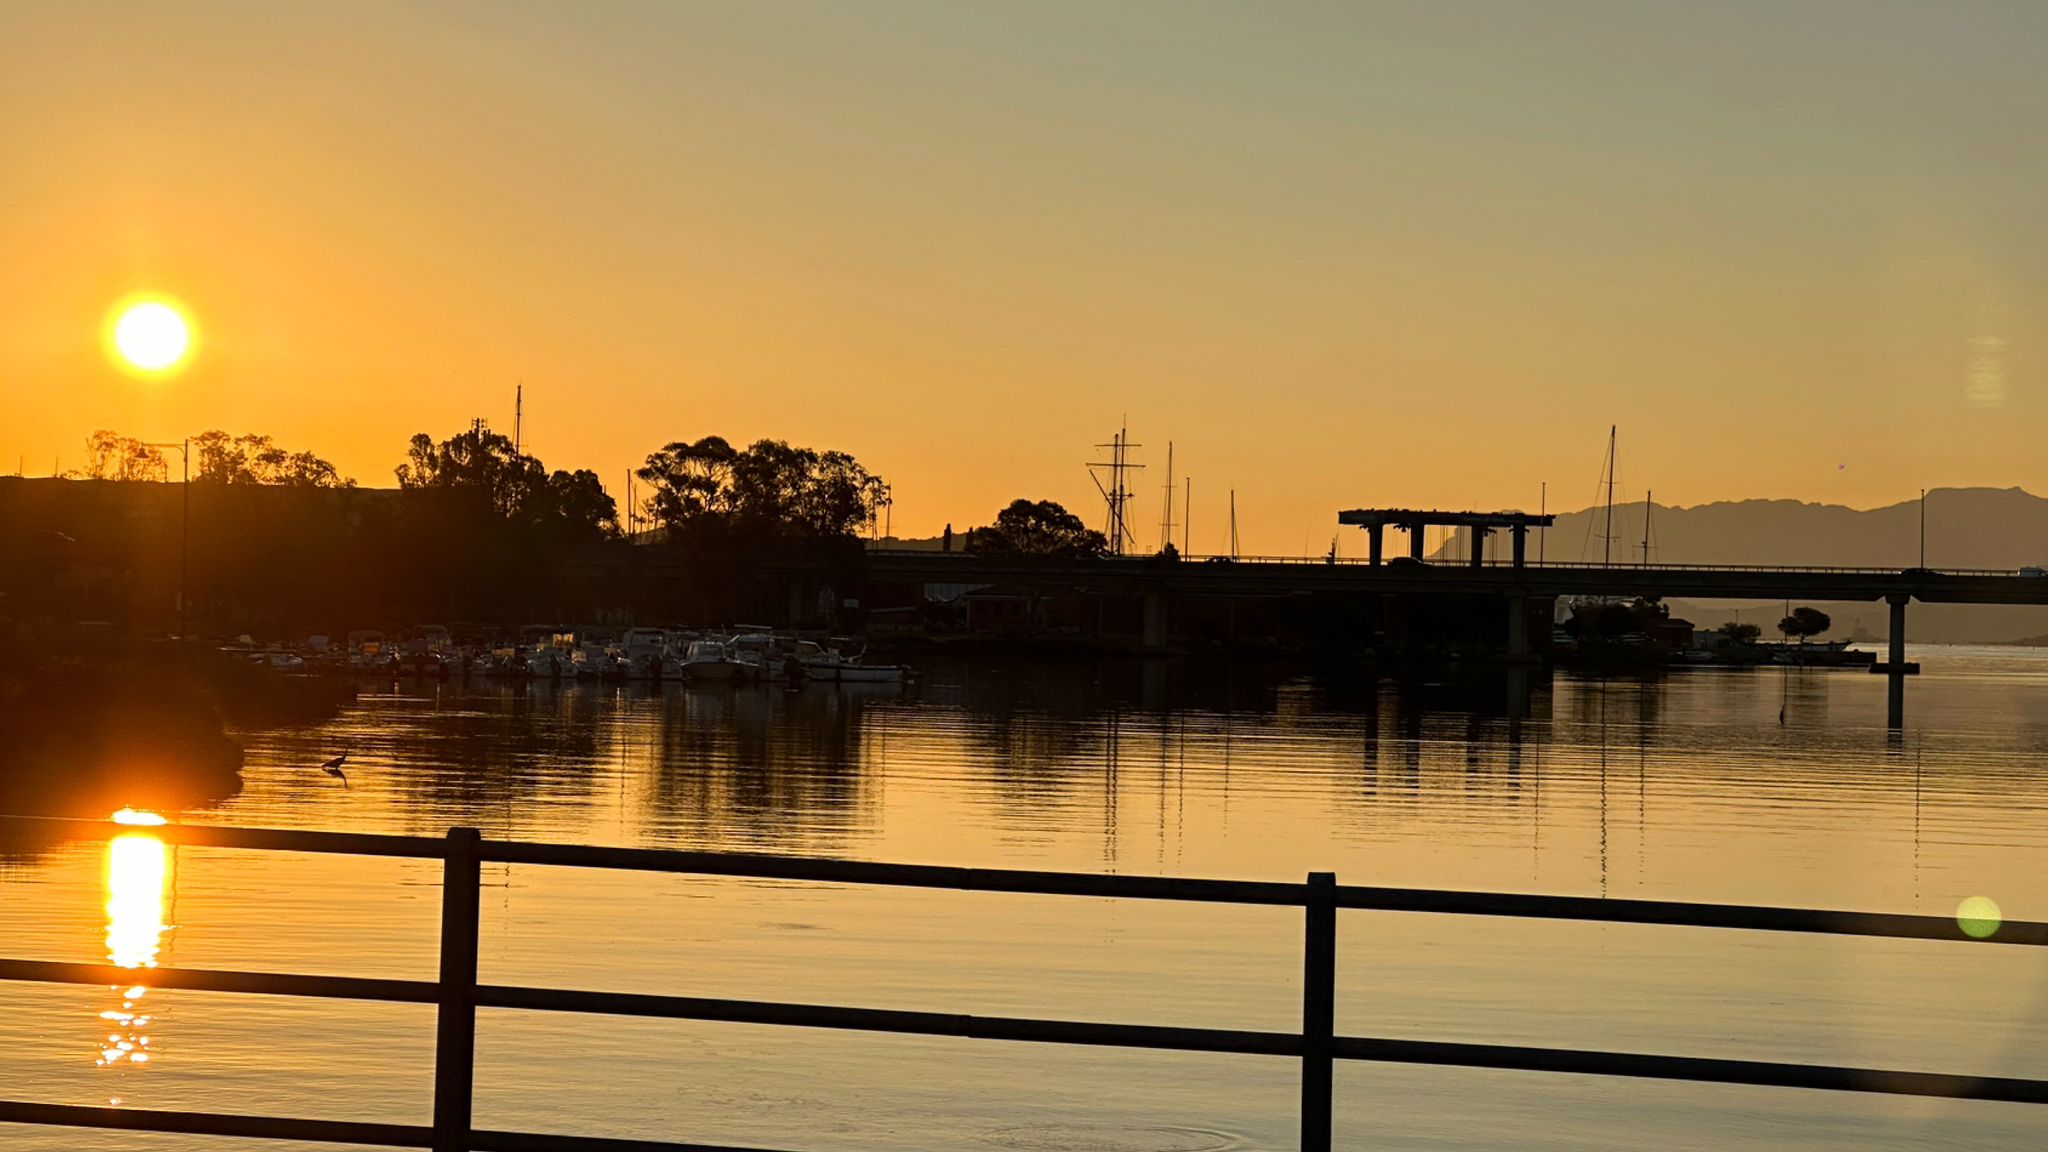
{"points": [[217, 1124], [481, 1140], [1679, 914], [325, 1131], [836, 871], [225, 836], [214, 980], [1693, 1069], [947, 1024], [1020, 881]]}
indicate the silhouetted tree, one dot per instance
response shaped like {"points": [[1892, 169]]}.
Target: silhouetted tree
{"points": [[112, 456], [250, 459], [1037, 528], [691, 482], [518, 486], [1613, 619], [1740, 633], [576, 502], [770, 489], [480, 460], [1805, 622]]}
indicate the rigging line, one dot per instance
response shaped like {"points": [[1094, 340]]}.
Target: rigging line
{"points": [[1599, 481]]}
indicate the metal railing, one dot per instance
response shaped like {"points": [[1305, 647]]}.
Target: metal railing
{"points": [[1492, 561], [457, 995]]}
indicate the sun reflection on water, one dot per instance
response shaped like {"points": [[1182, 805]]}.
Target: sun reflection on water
{"points": [[138, 868]]}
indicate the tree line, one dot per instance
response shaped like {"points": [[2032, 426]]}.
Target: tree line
{"points": [[770, 487], [219, 458], [706, 490]]}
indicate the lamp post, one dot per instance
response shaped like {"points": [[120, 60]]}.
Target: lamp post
{"points": [[184, 448]]}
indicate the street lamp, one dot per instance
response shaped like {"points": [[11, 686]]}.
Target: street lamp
{"points": [[184, 448]]}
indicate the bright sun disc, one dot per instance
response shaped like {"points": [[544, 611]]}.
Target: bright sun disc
{"points": [[152, 336]]}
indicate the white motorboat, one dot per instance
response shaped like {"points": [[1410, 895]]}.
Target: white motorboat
{"points": [[646, 653], [828, 666], [758, 653], [707, 660]]}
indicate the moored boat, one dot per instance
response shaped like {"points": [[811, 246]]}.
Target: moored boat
{"points": [[708, 661]]}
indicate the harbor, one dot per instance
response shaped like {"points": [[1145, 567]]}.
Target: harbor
{"points": [[1627, 788]]}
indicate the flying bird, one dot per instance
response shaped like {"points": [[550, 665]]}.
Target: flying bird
{"points": [[333, 768]]}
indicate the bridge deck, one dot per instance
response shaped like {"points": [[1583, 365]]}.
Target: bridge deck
{"points": [[1275, 575]]}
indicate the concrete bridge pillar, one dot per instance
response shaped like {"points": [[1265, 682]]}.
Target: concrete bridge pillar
{"points": [[1415, 535], [1898, 630], [1521, 536], [1375, 536], [1479, 535], [1155, 620], [1896, 667], [1518, 627]]}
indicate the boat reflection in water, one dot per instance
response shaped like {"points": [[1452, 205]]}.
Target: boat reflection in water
{"points": [[138, 869]]}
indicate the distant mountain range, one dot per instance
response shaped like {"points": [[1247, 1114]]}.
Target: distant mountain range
{"points": [[1966, 528]]}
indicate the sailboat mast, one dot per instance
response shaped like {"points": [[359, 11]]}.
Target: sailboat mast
{"points": [[1166, 515], [1648, 494], [1187, 516], [1607, 536]]}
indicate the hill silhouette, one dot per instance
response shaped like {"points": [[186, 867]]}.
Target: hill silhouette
{"points": [[1966, 528], [2004, 528]]}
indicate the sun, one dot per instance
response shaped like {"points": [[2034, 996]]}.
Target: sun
{"points": [[149, 335]]}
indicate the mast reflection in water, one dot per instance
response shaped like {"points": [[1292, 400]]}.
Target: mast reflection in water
{"points": [[138, 867]]}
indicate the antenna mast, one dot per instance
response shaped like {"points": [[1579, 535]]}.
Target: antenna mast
{"points": [[1187, 516], [1116, 496], [1233, 523]]}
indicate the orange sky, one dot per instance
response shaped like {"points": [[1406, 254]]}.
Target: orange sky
{"points": [[1341, 254]]}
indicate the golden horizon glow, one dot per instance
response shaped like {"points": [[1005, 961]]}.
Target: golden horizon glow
{"points": [[150, 335], [1366, 254]]}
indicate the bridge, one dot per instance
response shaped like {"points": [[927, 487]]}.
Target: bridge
{"points": [[1269, 574], [1524, 591]]}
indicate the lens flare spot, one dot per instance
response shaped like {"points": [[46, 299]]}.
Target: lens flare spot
{"points": [[1979, 917]]}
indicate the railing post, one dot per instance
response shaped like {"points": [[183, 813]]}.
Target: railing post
{"points": [[1318, 1010], [455, 1024]]}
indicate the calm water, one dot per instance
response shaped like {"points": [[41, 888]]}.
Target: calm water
{"points": [[1689, 787]]}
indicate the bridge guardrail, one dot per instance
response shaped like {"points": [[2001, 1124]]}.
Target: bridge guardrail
{"points": [[1492, 562]]}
